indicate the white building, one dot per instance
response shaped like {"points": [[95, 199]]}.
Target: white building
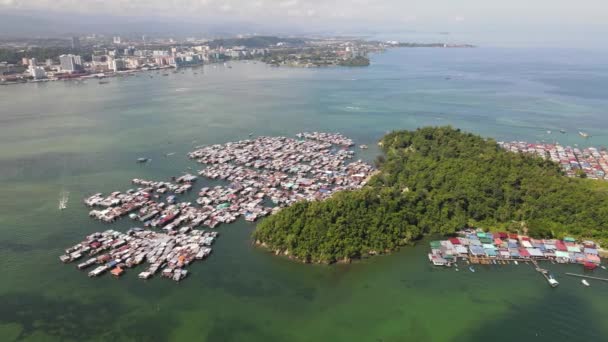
{"points": [[117, 40], [37, 72], [116, 64], [70, 63]]}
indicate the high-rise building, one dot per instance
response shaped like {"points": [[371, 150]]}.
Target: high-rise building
{"points": [[37, 72], [75, 43], [70, 63], [117, 40], [116, 65]]}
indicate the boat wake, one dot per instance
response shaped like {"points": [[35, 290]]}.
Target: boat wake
{"points": [[63, 200]]}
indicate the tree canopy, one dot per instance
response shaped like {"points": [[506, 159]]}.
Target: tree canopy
{"points": [[438, 180]]}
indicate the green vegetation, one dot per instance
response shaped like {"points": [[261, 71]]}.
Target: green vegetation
{"points": [[40, 53], [438, 180], [355, 61]]}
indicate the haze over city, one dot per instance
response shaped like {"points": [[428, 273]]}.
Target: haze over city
{"points": [[498, 23]]}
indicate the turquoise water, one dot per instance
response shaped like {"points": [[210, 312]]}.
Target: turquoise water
{"points": [[84, 138]]}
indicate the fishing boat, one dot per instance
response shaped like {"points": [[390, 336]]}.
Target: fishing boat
{"points": [[585, 282], [143, 160], [583, 134], [471, 269], [63, 200]]}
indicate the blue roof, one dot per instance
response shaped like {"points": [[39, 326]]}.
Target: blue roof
{"points": [[476, 250], [591, 251]]}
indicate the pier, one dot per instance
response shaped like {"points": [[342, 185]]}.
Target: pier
{"points": [[586, 276]]}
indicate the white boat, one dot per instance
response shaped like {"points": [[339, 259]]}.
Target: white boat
{"points": [[471, 269], [585, 282], [552, 281], [515, 262], [583, 134]]}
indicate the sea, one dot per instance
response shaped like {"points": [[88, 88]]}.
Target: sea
{"points": [[84, 137]]}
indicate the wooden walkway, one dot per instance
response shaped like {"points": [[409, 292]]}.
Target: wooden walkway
{"points": [[586, 276]]}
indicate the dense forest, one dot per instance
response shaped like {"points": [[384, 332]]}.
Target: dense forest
{"points": [[438, 180]]}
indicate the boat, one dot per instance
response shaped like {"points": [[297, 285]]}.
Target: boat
{"points": [[63, 200], [548, 132], [583, 134], [603, 267], [143, 160], [562, 131], [590, 266], [585, 282], [104, 82], [471, 269], [552, 281]]}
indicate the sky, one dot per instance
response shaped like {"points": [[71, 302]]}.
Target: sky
{"points": [[557, 21]]}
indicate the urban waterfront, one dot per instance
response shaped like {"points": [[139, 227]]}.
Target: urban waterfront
{"points": [[86, 138]]}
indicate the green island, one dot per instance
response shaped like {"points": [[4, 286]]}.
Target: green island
{"points": [[437, 180]]}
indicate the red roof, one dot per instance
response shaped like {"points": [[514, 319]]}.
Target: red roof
{"points": [[455, 241], [560, 246], [503, 235], [524, 252], [513, 236]]}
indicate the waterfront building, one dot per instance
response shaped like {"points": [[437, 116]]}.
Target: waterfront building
{"points": [[116, 65], [70, 63], [37, 72]]}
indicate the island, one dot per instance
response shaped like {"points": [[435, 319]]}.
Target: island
{"points": [[438, 180]]}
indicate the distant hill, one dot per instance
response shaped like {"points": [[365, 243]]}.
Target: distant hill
{"points": [[256, 42]]}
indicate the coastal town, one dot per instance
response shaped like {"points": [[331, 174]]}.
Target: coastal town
{"points": [[475, 246], [588, 162], [261, 176], [99, 57]]}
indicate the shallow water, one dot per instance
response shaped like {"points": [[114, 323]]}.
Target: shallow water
{"points": [[85, 138]]}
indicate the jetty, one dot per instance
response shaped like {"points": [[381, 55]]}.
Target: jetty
{"points": [[586, 276], [478, 247]]}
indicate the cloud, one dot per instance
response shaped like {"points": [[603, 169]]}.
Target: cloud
{"points": [[373, 14]]}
